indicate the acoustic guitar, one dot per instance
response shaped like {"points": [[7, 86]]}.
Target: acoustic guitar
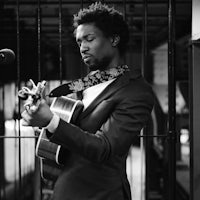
{"points": [[51, 155]]}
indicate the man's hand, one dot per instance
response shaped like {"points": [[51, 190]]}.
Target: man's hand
{"points": [[39, 117]]}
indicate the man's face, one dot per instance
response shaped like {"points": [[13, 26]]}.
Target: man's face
{"points": [[96, 49]]}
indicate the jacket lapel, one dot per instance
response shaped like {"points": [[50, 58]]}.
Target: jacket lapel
{"points": [[109, 90]]}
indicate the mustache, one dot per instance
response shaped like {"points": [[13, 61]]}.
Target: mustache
{"points": [[85, 55]]}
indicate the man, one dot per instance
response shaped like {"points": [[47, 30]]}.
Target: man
{"points": [[116, 108]]}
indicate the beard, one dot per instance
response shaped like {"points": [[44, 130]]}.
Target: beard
{"points": [[97, 64]]}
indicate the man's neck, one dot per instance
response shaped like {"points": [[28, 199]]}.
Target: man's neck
{"points": [[115, 62]]}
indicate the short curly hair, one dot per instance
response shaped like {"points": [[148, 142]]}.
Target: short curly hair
{"points": [[110, 21]]}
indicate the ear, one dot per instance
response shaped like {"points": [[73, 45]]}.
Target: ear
{"points": [[115, 40]]}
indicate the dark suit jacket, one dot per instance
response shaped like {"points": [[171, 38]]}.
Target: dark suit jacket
{"points": [[95, 168]]}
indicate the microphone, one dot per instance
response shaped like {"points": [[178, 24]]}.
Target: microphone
{"points": [[7, 56]]}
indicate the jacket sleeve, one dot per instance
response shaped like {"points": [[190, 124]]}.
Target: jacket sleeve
{"points": [[115, 135]]}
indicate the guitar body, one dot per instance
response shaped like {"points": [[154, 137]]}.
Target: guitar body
{"points": [[50, 153]]}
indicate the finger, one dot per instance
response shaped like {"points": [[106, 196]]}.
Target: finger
{"points": [[25, 115], [33, 109], [26, 118], [22, 95], [29, 109], [24, 122], [37, 130], [33, 84], [27, 106], [26, 90]]}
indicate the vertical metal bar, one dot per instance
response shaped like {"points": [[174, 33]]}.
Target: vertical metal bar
{"points": [[18, 85], [194, 97], [2, 125], [82, 71], [60, 41], [171, 102], [37, 168], [124, 8], [144, 36], [2, 133], [194, 103], [125, 18], [39, 38], [191, 121], [143, 153], [145, 140]]}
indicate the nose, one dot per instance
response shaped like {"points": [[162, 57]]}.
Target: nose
{"points": [[83, 47]]}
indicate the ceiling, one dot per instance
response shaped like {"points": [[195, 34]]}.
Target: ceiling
{"points": [[25, 24]]}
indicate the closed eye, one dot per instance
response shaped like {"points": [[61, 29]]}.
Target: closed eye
{"points": [[90, 38], [86, 38]]}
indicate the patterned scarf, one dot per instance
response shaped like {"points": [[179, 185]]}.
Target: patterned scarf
{"points": [[88, 81]]}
